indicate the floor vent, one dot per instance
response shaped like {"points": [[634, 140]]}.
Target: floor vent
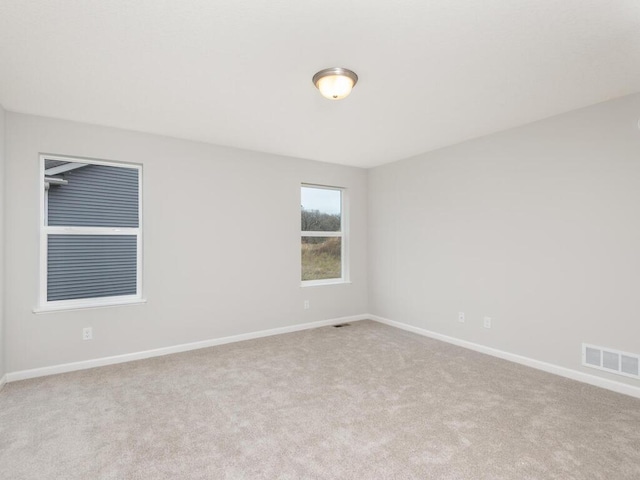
{"points": [[340, 325], [613, 361]]}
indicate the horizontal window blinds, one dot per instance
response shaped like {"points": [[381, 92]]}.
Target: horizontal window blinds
{"points": [[90, 266]]}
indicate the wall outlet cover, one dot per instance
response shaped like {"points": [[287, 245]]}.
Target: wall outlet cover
{"points": [[87, 333]]}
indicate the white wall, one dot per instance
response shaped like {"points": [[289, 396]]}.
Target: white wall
{"points": [[221, 244], [2, 337], [537, 227]]}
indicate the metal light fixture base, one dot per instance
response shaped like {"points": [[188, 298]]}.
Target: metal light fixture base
{"points": [[338, 72]]}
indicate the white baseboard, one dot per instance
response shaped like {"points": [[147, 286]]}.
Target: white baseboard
{"points": [[529, 362], [128, 357]]}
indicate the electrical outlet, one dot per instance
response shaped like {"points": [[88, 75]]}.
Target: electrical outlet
{"points": [[87, 333], [461, 317], [487, 322], [306, 305]]}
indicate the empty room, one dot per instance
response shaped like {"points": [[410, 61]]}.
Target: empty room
{"points": [[319, 240]]}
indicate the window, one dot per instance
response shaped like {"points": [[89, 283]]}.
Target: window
{"points": [[90, 233], [322, 235]]}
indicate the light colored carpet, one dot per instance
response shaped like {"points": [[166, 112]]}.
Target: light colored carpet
{"points": [[361, 402]]}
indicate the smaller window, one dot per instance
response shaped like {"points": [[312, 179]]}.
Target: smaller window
{"points": [[322, 235]]}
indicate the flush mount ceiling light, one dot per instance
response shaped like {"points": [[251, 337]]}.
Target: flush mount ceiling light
{"points": [[335, 83]]}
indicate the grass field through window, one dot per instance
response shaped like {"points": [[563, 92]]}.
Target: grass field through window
{"points": [[321, 258]]}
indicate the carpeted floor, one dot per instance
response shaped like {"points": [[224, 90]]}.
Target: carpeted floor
{"points": [[361, 402]]}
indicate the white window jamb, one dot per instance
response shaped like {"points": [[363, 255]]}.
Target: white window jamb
{"points": [[344, 278], [45, 230]]}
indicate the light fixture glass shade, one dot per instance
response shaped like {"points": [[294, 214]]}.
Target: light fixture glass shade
{"points": [[335, 83]]}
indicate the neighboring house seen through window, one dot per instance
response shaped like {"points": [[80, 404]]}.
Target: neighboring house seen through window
{"points": [[322, 235], [91, 241]]}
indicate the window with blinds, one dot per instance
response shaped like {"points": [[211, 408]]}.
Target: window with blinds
{"points": [[91, 233]]}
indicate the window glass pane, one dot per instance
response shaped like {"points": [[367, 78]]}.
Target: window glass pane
{"points": [[91, 266], [80, 194], [321, 209], [321, 258]]}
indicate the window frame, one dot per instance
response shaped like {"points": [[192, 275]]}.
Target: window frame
{"points": [[45, 230], [343, 234]]}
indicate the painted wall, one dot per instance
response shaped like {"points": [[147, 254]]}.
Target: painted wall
{"points": [[2, 337], [221, 244], [536, 227]]}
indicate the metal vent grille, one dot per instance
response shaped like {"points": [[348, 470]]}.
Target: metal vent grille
{"points": [[610, 360], [593, 357], [630, 365]]}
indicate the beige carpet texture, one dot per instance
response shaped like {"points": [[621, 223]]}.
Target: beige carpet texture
{"points": [[365, 401]]}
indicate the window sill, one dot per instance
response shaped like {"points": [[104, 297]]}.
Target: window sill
{"points": [[318, 283], [88, 306]]}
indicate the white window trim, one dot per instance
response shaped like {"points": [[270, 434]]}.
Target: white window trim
{"points": [[46, 306], [343, 234]]}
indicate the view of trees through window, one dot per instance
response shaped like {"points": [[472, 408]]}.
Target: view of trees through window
{"points": [[321, 227]]}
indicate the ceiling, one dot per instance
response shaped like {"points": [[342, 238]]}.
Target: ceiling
{"points": [[238, 73]]}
